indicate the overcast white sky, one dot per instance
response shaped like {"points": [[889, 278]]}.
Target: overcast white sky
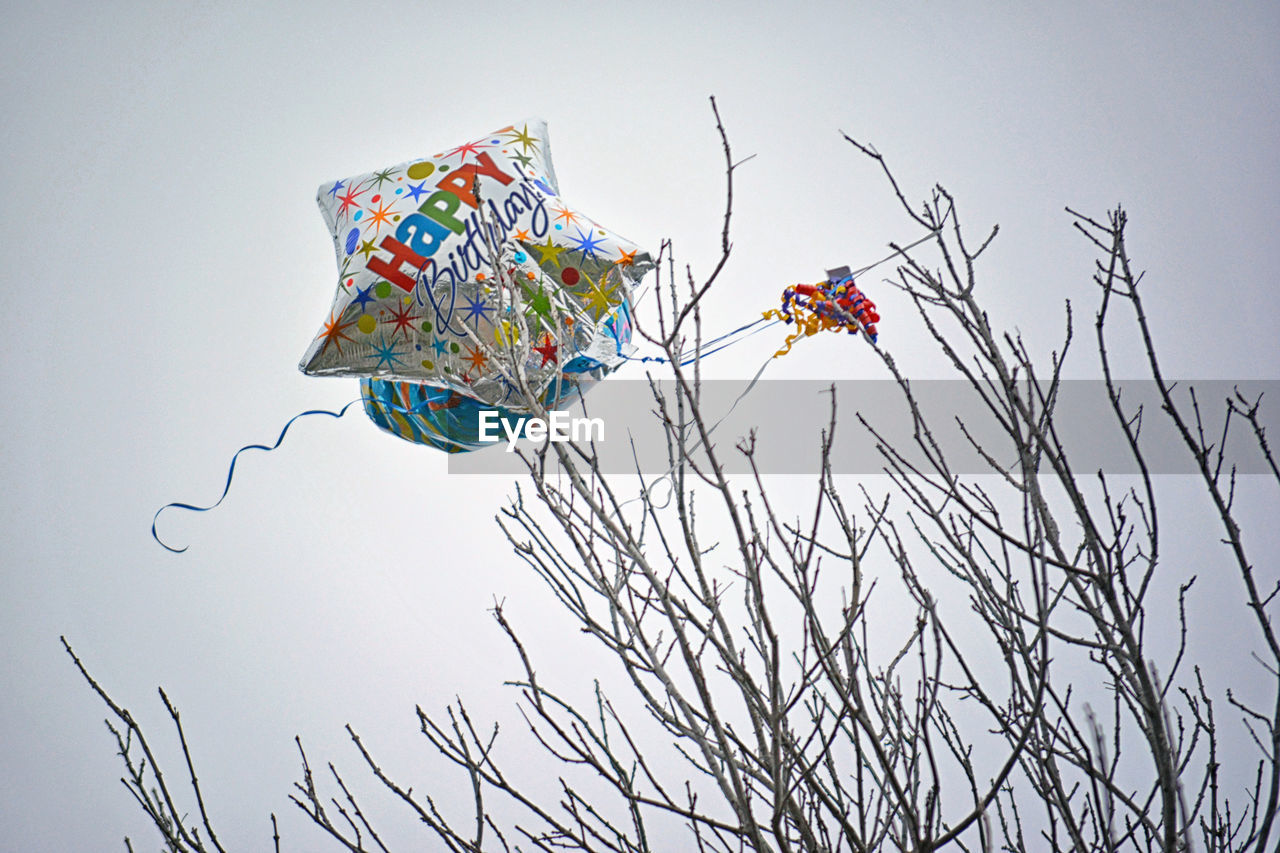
{"points": [[169, 268]]}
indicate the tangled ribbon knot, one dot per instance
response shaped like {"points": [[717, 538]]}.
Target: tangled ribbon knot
{"points": [[833, 305]]}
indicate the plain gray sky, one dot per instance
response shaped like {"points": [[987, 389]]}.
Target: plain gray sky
{"points": [[170, 266]]}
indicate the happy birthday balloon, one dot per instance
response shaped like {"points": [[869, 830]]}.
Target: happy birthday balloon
{"points": [[466, 271]]}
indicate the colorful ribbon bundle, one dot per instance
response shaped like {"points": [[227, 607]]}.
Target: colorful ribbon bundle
{"points": [[833, 305]]}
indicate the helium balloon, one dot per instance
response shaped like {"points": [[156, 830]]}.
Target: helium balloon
{"points": [[467, 274]]}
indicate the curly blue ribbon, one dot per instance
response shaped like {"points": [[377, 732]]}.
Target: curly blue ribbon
{"points": [[232, 470], [382, 404]]}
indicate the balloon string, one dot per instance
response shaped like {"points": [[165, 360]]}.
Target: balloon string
{"points": [[714, 345], [897, 252], [711, 346], [232, 470], [668, 475]]}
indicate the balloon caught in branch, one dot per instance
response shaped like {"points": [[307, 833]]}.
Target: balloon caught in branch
{"points": [[830, 306], [465, 281]]}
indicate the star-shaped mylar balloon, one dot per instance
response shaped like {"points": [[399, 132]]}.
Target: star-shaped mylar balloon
{"points": [[466, 268]]}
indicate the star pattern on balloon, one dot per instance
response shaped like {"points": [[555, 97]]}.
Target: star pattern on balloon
{"points": [[363, 298], [416, 191], [524, 159], [476, 309], [334, 332], [599, 300], [349, 200], [563, 212], [477, 358], [548, 251], [385, 353], [472, 148], [548, 350], [379, 217], [587, 243], [402, 318], [539, 302], [522, 137]]}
